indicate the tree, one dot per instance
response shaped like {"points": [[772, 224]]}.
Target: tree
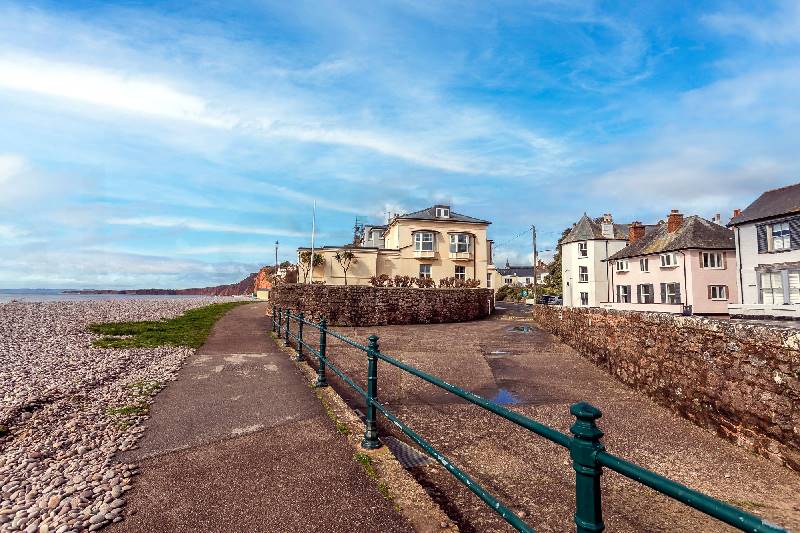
{"points": [[305, 263], [553, 284], [346, 259]]}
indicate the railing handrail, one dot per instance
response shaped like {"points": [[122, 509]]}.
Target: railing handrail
{"points": [[583, 446]]}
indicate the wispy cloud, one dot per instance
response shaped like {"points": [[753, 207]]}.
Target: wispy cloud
{"points": [[201, 225]]}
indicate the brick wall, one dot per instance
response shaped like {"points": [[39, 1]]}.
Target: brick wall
{"points": [[360, 305], [740, 380]]}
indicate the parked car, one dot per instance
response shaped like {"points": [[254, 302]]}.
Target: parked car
{"points": [[547, 299]]}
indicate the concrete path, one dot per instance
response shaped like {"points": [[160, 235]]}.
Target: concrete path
{"points": [[240, 443]]}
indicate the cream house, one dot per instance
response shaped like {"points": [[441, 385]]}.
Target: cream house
{"points": [[432, 243]]}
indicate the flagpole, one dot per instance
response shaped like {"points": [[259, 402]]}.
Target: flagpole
{"points": [[313, 230]]}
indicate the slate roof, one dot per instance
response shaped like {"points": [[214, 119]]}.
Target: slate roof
{"points": [[519, 271], [588, 229], [430, 214], [770, 204], [695, 233]]}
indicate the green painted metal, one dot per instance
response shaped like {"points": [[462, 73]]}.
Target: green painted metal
{"points": [[587, 452], [322, 380], [286, 335], [370, 441], [300, 343], [273, 319], [583, 450]]}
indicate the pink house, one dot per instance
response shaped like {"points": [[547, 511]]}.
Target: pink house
{"points": [[686, 264]]}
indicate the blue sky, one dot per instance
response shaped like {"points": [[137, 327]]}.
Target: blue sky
{"points": [[161, 144]]}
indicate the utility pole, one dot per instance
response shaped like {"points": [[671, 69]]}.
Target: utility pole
{"points": [[276, 257], [535, 262]]}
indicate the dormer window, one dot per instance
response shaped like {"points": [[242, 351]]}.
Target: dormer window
{"points": [[442, 212]]}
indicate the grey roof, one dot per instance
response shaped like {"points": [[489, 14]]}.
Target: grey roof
{"points": [[519, 271], [774, 203], [587, 230], [695, 233], [430, 214]]}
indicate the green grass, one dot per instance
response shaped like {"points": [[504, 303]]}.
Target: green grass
{"points": [[366, 462], [190, 329]]}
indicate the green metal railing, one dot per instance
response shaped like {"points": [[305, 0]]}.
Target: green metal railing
{"points": [[587, 452]]}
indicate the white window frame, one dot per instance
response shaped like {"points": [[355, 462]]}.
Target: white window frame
{"points": [[425, 270], [462, 274], [624, 294], [793, 291], [670, 297], [622, 265], [776, 290], [375, 235], [583, 249], [713, 261], [669, 260], [646, 296], [442, 212], [781, 237], [584, 296], [420, 241], [583, 274], [460, 243], [508, 281], [644, 264], [720, 290]]}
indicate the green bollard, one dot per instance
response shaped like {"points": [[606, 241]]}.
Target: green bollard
{"points": [[286, 328], [583, 450], [274, 323], [370, 441], [321, 379], [299, 336]]}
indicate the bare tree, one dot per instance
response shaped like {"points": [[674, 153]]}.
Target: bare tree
{"points": [[346, 259]]}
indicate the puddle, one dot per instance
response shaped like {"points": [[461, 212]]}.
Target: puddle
{"points": [[499, 352], [520, 329], [505, 397]]}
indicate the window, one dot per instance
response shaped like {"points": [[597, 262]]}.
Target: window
{"points": [[644, 293], [376, 235], [671, 293], [584, 298], [488, 281], [423, 242], [669, 260], [624, 294], [583, 274], [459, 243], [583, 249], [794, 286], [622, 265], [461, 272], [425, 271], [771, 287], [718, 292], [442, 212], [712, 260], [508, 281], [780, 237], [644, 265], [528, 281]]}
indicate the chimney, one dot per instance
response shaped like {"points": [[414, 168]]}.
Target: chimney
{"points": [[737, 212], [635, 232], [607, 226], [718, 219], [674, 221]]}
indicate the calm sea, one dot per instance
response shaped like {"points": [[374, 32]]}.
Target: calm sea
{"points": [[56, 295]]}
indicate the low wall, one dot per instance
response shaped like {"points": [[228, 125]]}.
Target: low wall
{"points": [[740, 380], [360, 305]]}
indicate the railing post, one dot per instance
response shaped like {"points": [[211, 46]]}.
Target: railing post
{"points": [[321, 379], [286, 327], [299, 336], [370, 440], [583, 450], [274, 323]]}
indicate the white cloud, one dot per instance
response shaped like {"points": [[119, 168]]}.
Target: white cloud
{"points": [[780, 27], [201, 225], [233, 249], [10, 166]]}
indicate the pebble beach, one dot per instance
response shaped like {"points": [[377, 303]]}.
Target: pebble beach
{"points": [[67, 408]]}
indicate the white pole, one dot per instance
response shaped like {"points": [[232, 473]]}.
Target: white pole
{"points": [[313, 230]]}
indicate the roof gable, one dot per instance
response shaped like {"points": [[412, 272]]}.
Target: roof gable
{"points": [[695, 233], [587, 229], [430, 214], [774, 203]]}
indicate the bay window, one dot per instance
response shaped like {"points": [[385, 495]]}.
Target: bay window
{"points": [[423, 242]]}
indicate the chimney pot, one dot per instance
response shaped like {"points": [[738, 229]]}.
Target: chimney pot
{"points": [[635, 232], [737, 212], [674, 221]]}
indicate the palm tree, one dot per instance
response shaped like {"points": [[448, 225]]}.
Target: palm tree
{"points": [[346, 259]]}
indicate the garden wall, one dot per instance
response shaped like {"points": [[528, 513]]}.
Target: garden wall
{"points": [[362, 305], [740, 380]]}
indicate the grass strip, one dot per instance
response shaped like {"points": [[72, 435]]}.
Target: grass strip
{"points": [[190, 329]]}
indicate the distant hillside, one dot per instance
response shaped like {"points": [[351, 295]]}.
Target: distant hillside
{"points": [[247, 286]]}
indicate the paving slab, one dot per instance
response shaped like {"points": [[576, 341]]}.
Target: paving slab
{"points": [[240, 443]]}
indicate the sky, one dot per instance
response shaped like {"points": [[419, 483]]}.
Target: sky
{"points": [[170, 144]]}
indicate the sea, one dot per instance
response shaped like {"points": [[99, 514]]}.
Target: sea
{"points": [[57, 295]]}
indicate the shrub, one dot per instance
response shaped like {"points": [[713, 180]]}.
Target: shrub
{"points": [[403, 281], [381, 281], [425, 283]]}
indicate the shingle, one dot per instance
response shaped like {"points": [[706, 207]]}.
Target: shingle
{"points": [[587, 230], [430, 214], [770, 204], [695, 233]]}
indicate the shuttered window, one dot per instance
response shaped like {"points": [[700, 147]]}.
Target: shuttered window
{"points": [[794, 286], [644, 293], [624, 294], [671, 293]]}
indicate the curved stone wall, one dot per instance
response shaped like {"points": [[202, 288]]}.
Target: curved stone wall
{"points": [[361, 305]]}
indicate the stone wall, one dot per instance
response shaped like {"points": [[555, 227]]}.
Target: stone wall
{"points": [[740, 380], [360, 305]]}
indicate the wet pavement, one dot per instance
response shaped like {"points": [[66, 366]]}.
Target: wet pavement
{"points": [[240, 443], [534, 374]]}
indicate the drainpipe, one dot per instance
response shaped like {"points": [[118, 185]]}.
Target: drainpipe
{"points": [[608, 289], [739, 261], [685, 279]]}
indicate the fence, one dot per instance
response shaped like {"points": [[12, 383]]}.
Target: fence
{"points": [[585, 448]]}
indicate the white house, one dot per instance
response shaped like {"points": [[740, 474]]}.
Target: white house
{"points": [[767, 238], [523, 275], [583, 254]]}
